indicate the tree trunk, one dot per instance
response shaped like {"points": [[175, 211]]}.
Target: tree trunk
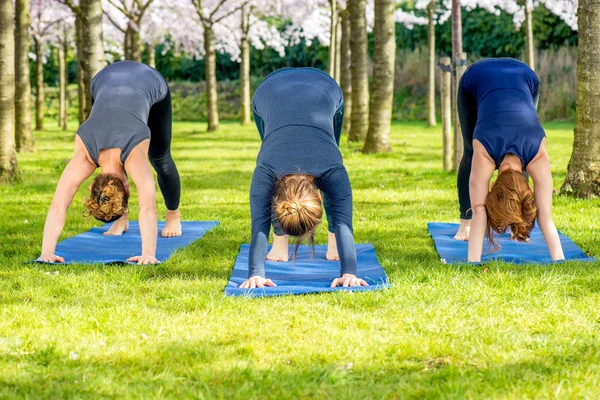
{"points": [[583, 176], [529, 46], [136, 46], [457, 46], [446, 90], [80, 81], [23, 133], [382, 87], [431, 119], [210, 76], [127, 44], [39, 85], [457, 50], [93, 48], [346, 75], [332, 37], [359, 69], [338, 50], [8, 158], [62, 68], [459, 70], [133, 42], [151, 50], [245, 72]]}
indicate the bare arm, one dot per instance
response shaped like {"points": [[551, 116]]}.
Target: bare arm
{"points": [[77, 171], [479, 185], [139, 169], [540, 172]]}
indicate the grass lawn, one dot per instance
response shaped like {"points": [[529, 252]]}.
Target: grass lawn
{"points": [[167, 331]]}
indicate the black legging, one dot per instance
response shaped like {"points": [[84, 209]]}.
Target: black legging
{"points": [[160, 123], [467, 114]]}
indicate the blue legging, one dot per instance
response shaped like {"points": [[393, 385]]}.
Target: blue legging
{"points": [[467, 114], [338, 122]]}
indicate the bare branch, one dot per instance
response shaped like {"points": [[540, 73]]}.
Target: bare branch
{"points": [[124, 5], [69, 3], [246, 18], [198, 6], [202, 19], [116, 25], [230, 12], [45, 30], [115, 5], [144, 7], [216, 9]]}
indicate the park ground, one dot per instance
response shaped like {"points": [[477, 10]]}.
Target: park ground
{"points": [[167, 331]]}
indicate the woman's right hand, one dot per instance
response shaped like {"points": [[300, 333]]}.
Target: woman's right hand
{"points": [[77, 171], [257, 282], [50, 258]]}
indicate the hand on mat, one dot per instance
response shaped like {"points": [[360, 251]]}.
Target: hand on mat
{"points": [[143, 260], [348, 280], [257, 282], [52, 258]]}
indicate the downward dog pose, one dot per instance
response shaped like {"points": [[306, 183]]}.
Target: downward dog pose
{"points": [[130, 123], [299, 114], [497, 101]]}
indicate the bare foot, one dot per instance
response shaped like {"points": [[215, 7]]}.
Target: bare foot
{"points": [[332, 251], [118, 227], [279, 252], [464, 230], [173, 224]]}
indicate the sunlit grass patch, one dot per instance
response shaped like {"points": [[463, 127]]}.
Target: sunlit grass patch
{"points": [[498, 331]]}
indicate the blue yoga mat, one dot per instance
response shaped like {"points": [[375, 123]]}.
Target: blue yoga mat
{"points": [[533, 252], [94, 247], [307, 275]]}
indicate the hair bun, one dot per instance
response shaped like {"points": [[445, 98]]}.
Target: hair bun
{"points": [[291, 207], [297, 205]]}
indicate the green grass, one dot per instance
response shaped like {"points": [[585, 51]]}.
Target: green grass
{"points": [[167, 331]]}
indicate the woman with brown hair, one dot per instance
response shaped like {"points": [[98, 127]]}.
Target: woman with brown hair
{"points": [[497, 100], [130, 123], [299, 114]]}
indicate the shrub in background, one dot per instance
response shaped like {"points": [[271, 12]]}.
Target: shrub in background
{"points": [[556, 69]]}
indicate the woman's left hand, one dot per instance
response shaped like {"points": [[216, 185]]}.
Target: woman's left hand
{"points": [[348, 280], [143, 260]]}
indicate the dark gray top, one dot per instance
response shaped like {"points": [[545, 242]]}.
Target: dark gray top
{"points": [[298, 107], [122, 95]]}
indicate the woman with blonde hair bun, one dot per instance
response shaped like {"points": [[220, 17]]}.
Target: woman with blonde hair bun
{"points": [[299, 114], [497, 100], [130, 124]]}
